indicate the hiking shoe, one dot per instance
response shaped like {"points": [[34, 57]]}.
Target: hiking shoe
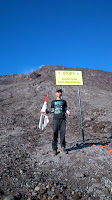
{"points": [[63, 150], [55, 152]]}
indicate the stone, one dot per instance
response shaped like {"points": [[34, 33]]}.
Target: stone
{"points": [[44, 198], [98, 180], [107, 192], [37, 188], [11, 198], [52, 189], [34, 194], [42, 191], [79, 175], [62, 197], [50, 193], [49, 198], [57, 192], [77, 196]]}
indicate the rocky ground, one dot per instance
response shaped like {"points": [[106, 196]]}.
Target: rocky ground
{"points": [[28, 169]]}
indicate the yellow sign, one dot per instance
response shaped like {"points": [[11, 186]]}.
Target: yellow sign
{"points": [[68, 77]]}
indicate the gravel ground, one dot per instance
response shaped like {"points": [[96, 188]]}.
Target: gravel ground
{"points": [[28, 169]]}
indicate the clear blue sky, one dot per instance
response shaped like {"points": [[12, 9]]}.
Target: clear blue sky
{"points": [[71, 33]]}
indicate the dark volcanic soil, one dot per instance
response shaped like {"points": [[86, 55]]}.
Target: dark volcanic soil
{"points": [[28, 168]]}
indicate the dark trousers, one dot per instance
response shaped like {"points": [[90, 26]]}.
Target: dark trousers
{"points": [[58, 125]]}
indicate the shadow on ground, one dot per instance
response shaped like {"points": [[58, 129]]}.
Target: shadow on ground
{"points": [[85, 145]]}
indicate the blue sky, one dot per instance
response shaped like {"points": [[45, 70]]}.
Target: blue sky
{"points": [[71, 33]]}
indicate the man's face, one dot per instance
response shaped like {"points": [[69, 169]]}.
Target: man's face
{"points": [[58, 94]]}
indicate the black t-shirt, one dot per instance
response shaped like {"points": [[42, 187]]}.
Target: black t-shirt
{"points": [[60, 107]]}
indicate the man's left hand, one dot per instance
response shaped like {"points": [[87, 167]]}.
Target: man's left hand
{"points": [[69, 113]]}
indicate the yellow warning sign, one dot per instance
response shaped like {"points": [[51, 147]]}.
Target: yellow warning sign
{"points": [[68, 77]]}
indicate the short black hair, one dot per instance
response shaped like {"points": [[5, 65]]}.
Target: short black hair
{"points": [[59, 90]]}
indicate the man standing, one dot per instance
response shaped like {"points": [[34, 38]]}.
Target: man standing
{"points": [[59, 107]]}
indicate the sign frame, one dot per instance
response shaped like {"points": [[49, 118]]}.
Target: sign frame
{"points": [[66, 77]]}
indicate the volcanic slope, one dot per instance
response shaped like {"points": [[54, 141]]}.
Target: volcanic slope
{"points": [[29, 170]]}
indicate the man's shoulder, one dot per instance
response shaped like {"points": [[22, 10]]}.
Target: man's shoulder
{"points": [[64, 100], [53, 100]]}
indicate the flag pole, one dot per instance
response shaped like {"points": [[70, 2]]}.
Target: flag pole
{"points": [[81, 114]]}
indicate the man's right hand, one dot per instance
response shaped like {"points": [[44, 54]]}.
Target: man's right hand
{"points": [[43, 113], [47, 111]]}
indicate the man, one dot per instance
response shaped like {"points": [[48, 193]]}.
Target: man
{"points": [[59, 107]]}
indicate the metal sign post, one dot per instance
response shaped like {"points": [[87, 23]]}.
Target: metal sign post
{"points": [[81, 114]]}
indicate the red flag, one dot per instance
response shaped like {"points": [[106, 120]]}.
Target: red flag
{"points": [[46, 99]]}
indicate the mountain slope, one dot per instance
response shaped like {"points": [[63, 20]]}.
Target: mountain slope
{"points": [[26, 151]]}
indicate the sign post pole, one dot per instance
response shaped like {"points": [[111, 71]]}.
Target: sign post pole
{"points": [[81, 114]]}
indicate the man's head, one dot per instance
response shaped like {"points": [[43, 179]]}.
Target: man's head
{"points": [[58, 93]]}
